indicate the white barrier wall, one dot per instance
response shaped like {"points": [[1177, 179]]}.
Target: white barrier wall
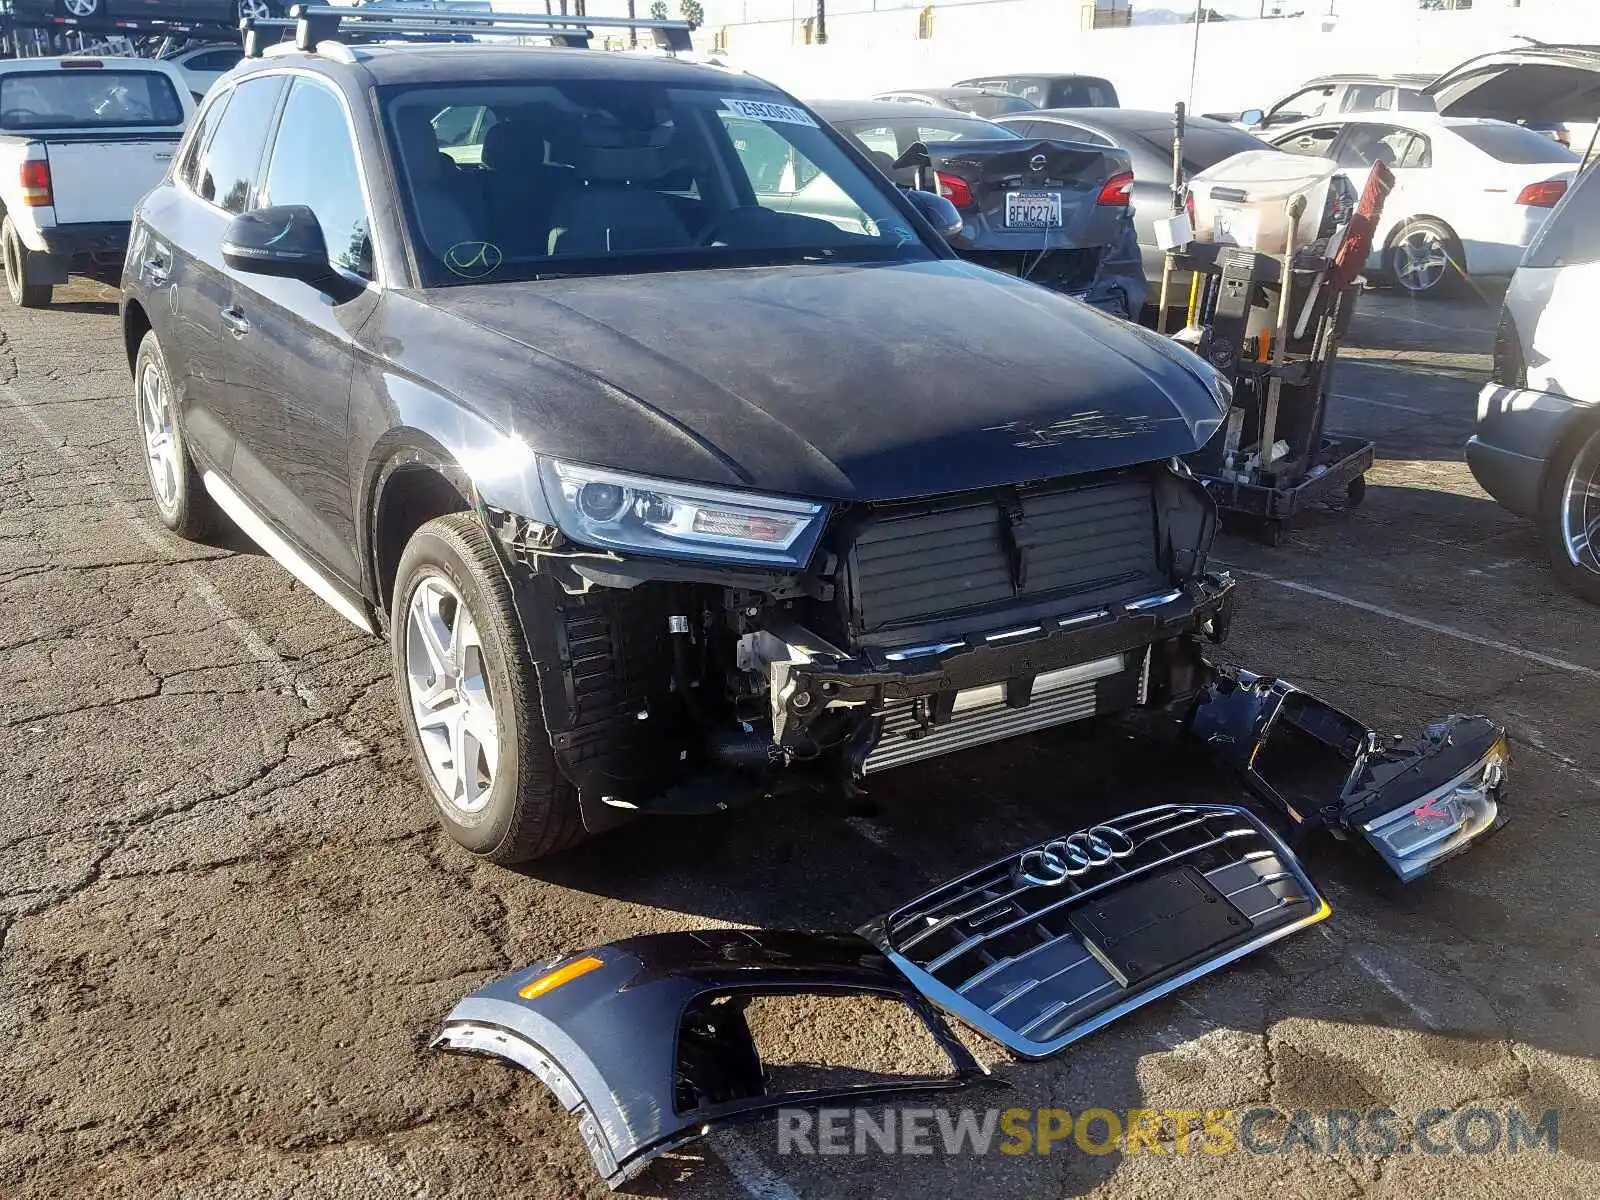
{"points": [[1242, 64]]}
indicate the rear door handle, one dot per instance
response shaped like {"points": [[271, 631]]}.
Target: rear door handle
{"points": [[163, 156], [233, 318], [155, 270]]}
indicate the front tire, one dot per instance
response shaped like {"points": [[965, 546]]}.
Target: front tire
{"points": [[82, 8], [1569, 516], [15, 255], [469, 699], [1424, 259], [258, 9], [181, 500]]}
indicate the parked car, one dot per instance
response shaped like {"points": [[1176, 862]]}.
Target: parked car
{"points": [[1469, 194], [977, 101], [205, 63], [1146, 137], [81, 140], [665, 489], [1333, 95], [1042, 208], [1537, 446], [1051, 91], [217, 12]]}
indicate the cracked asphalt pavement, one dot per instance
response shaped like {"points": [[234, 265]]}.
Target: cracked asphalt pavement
{"points": [[229, 926]]}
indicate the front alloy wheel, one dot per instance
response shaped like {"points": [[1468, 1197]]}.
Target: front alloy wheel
{"points": [[1572, 517], [469, 698], [450, 694], [258, 10], [82, 8]]}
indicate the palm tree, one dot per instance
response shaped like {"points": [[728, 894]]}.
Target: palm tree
{"points": [[822, 22]]}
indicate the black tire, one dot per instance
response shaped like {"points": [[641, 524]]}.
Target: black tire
{"points": [[1355, 491], [14, 254], [1581, 578], [531, 810], [190, 512], [1448, 281]]}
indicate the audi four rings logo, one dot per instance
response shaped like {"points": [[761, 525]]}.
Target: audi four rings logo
{"points": [[1037, 162], [1077, 854]]}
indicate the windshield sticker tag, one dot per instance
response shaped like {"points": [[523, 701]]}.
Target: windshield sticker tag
{"points": [[762, 110]]}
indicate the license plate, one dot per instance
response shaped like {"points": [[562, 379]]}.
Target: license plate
{"points": [[1033, 210]]}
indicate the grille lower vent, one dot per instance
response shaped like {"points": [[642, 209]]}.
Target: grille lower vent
{"points": [[955, 558]]}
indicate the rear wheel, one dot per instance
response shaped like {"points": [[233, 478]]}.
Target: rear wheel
{"points": [[1424, 260], [15, 256], [1569, 519], [83, 8], [182, 502], [258, 10], [469, 699]]}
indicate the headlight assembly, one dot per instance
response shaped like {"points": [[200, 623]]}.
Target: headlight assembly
{"points": [[1426, 830], [618, 511]]}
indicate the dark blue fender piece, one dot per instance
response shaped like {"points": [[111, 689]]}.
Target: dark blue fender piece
{"points": [[646, 1041]]}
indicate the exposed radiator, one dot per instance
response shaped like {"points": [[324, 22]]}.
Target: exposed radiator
{"points": [[982, 716], [920, 562]]}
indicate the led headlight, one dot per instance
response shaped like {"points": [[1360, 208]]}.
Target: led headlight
{"points": [[618, 511], [1425, 831]]}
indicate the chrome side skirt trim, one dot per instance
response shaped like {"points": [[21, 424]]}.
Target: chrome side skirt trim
{"points": [[290, 559]]}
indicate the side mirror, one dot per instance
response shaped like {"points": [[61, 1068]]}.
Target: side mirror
{"points": [[284, 240], [938, 211], [1252, 117]]}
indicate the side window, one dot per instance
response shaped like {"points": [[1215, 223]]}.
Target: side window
{"points": [[461, 129], [1396, 148], [1413, 100], [774, 166], [1314, 143], [314, 163], [878, 138], [1075, 133], [1416, 152], [1367, 97], [228, 165], [1035, 94], [205, 125], [215, 60]]}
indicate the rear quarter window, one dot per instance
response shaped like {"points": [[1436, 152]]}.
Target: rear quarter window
{"points": [[88, 98], [1571, 237], [1514, 144]]}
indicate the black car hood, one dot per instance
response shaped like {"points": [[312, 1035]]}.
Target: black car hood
{"points": [[848, 382]]}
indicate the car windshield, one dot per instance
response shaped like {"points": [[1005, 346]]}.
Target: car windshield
{"points": [[1515, 144], [519, 181], [87, 97]]}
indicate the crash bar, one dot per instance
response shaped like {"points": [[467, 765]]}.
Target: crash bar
{"points": [[314, 23]]}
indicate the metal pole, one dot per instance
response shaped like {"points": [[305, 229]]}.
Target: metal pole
{"points": [[822, 22], [633, 34], [1194, 58], [1178, 113]]}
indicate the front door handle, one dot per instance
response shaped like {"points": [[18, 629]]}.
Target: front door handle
{"points": [[155, 270], [233, 318]]}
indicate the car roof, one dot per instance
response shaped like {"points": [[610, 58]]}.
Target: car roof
{"points": [[1421, 122], [417, 63], [1054, 75], [1139, 120], [884, 110], [1407, 79]]}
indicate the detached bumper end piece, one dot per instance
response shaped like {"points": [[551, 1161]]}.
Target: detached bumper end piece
{"points": [[1416, 801]]}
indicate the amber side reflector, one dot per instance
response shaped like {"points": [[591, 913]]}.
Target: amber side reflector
{"points": [[566, 974]]}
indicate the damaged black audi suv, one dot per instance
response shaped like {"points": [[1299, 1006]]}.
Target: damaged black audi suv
{"points": [[667, 484]]}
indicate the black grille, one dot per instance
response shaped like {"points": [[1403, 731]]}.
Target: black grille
{"points": [[1030, 964], [956, 558]]}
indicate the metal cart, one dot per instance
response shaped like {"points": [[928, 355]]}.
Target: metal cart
{"points": [[1277, 344]]}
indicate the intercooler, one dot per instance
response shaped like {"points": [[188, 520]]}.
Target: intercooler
{"points": [[981, 715]]}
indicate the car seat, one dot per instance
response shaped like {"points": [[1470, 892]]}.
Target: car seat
{"points": [[617, 209]]}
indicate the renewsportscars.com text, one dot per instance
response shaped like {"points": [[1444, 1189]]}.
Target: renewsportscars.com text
{"points": [[1363, 1132]]}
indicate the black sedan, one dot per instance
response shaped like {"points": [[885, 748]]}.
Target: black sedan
{"points": [[1147, 138]]}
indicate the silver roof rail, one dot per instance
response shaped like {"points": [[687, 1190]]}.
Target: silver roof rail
{"points": [[315, 23]]}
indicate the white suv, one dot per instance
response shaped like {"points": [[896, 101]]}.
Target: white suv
{"points": [[1537, 448]]}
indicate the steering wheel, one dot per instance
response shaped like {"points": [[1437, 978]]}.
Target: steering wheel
{"points": [[734, 220]]}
